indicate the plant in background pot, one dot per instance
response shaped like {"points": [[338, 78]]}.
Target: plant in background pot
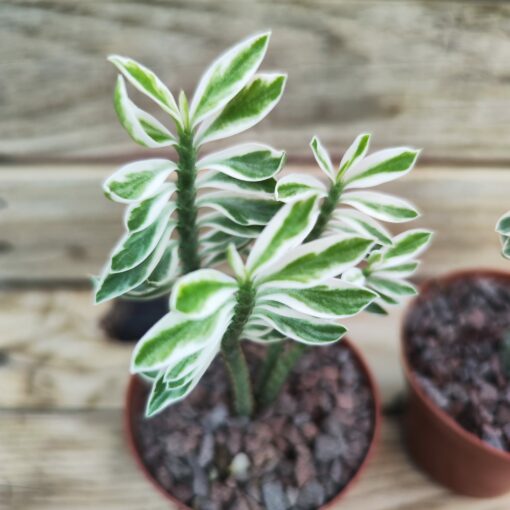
{"points": [[230, 98], [455, 351]]}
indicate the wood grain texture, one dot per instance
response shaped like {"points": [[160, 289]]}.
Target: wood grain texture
{"points": [[78, 461], [58, 226], [432, 74]]}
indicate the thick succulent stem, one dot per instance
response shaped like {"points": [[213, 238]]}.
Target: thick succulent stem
{"points": [[283, 366], [186, 203], [233, 354]]}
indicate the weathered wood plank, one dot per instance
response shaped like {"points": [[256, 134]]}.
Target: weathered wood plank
{"points": [[54, 356], [77, 461], [433, 74], [59, 226]]}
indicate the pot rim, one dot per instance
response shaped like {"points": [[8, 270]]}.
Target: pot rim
{"points": [[409, 374], [134, 381]]}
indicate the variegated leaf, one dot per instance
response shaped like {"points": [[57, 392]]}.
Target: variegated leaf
{"points": [[503, 225], [301, 327], [356, 152], [331, 300], [140, 125], [202, 292], [135, 247], [297, 187], [224, 224], [361, 224], [148, 83], [286, 230], [217, 180], [380, 167], [316, 261], [322, 158], [177, 336], [168, 267], [246, 109], [139, 180], [355, 276], [235, 262], [241, 210], [246, 162], [406, 246], [112, 285], [395, 289], [228, 75], [399, 271], [140, 215], [381, 206]]}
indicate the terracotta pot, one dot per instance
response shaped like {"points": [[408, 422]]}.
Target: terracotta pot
{"points": [[135, 403], [451, 455]]}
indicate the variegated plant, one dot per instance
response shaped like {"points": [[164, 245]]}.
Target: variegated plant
{"points": [[503, 229], [235, 185], [285, 289], [348, 208]]}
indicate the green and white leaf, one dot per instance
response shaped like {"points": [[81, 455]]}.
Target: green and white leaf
{"points": [[322, 157], [227, 76], [286, 230], [316, 261], [355, 276], [148, 83], [223, 182], [400, 271], [381, 206], [247, 108], [201, 293], [168, 268], [177, 336], [224, 224], [135, 247], [235, 262], [503, 225], [395, 289], [356, 152], [380, 167], [331, 300], [111, 285], [142, 127], [139, 180], [301, 327], [361, 224], [241, 210], [246, 162], [298, 187], [140, 215]]}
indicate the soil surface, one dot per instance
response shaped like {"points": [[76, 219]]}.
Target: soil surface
{"points": [[455, 344], [128, 320], [297, 454]]}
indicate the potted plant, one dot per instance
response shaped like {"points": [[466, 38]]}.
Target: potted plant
{"points": [[308, 263], [230, 98], [455, 348]]}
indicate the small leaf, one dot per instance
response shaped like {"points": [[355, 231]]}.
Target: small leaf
{"points": [[148, 83], [406, 246], [381, 206], [322, 158], [139, 180], [356, 152], [380, 167], [298, 187], [112, 285], [503, 225], [361, 224], [168, 267], [391, 288], [331, 300], [286, 230], [217, 180], [202, 292], [246, 162], [235, 261], [246, 109], [224, 224], [228, 75], [316, 261], [376, 308], [140, 215], [135, 247], [141, 126], [301, 327], [244, 211], [177, 336]]}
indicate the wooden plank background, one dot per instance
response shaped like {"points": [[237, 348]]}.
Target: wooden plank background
{"points": [[432, 74]]}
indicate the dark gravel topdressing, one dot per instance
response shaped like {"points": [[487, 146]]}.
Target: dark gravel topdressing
{"points": [[298, 454], [455, 337]]}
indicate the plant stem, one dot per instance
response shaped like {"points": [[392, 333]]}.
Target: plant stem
{"points": [[233, 354], [281, 367], [186, 203], [274, 352]]}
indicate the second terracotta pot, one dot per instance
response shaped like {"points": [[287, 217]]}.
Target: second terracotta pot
{"points": [[451, 455]]}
